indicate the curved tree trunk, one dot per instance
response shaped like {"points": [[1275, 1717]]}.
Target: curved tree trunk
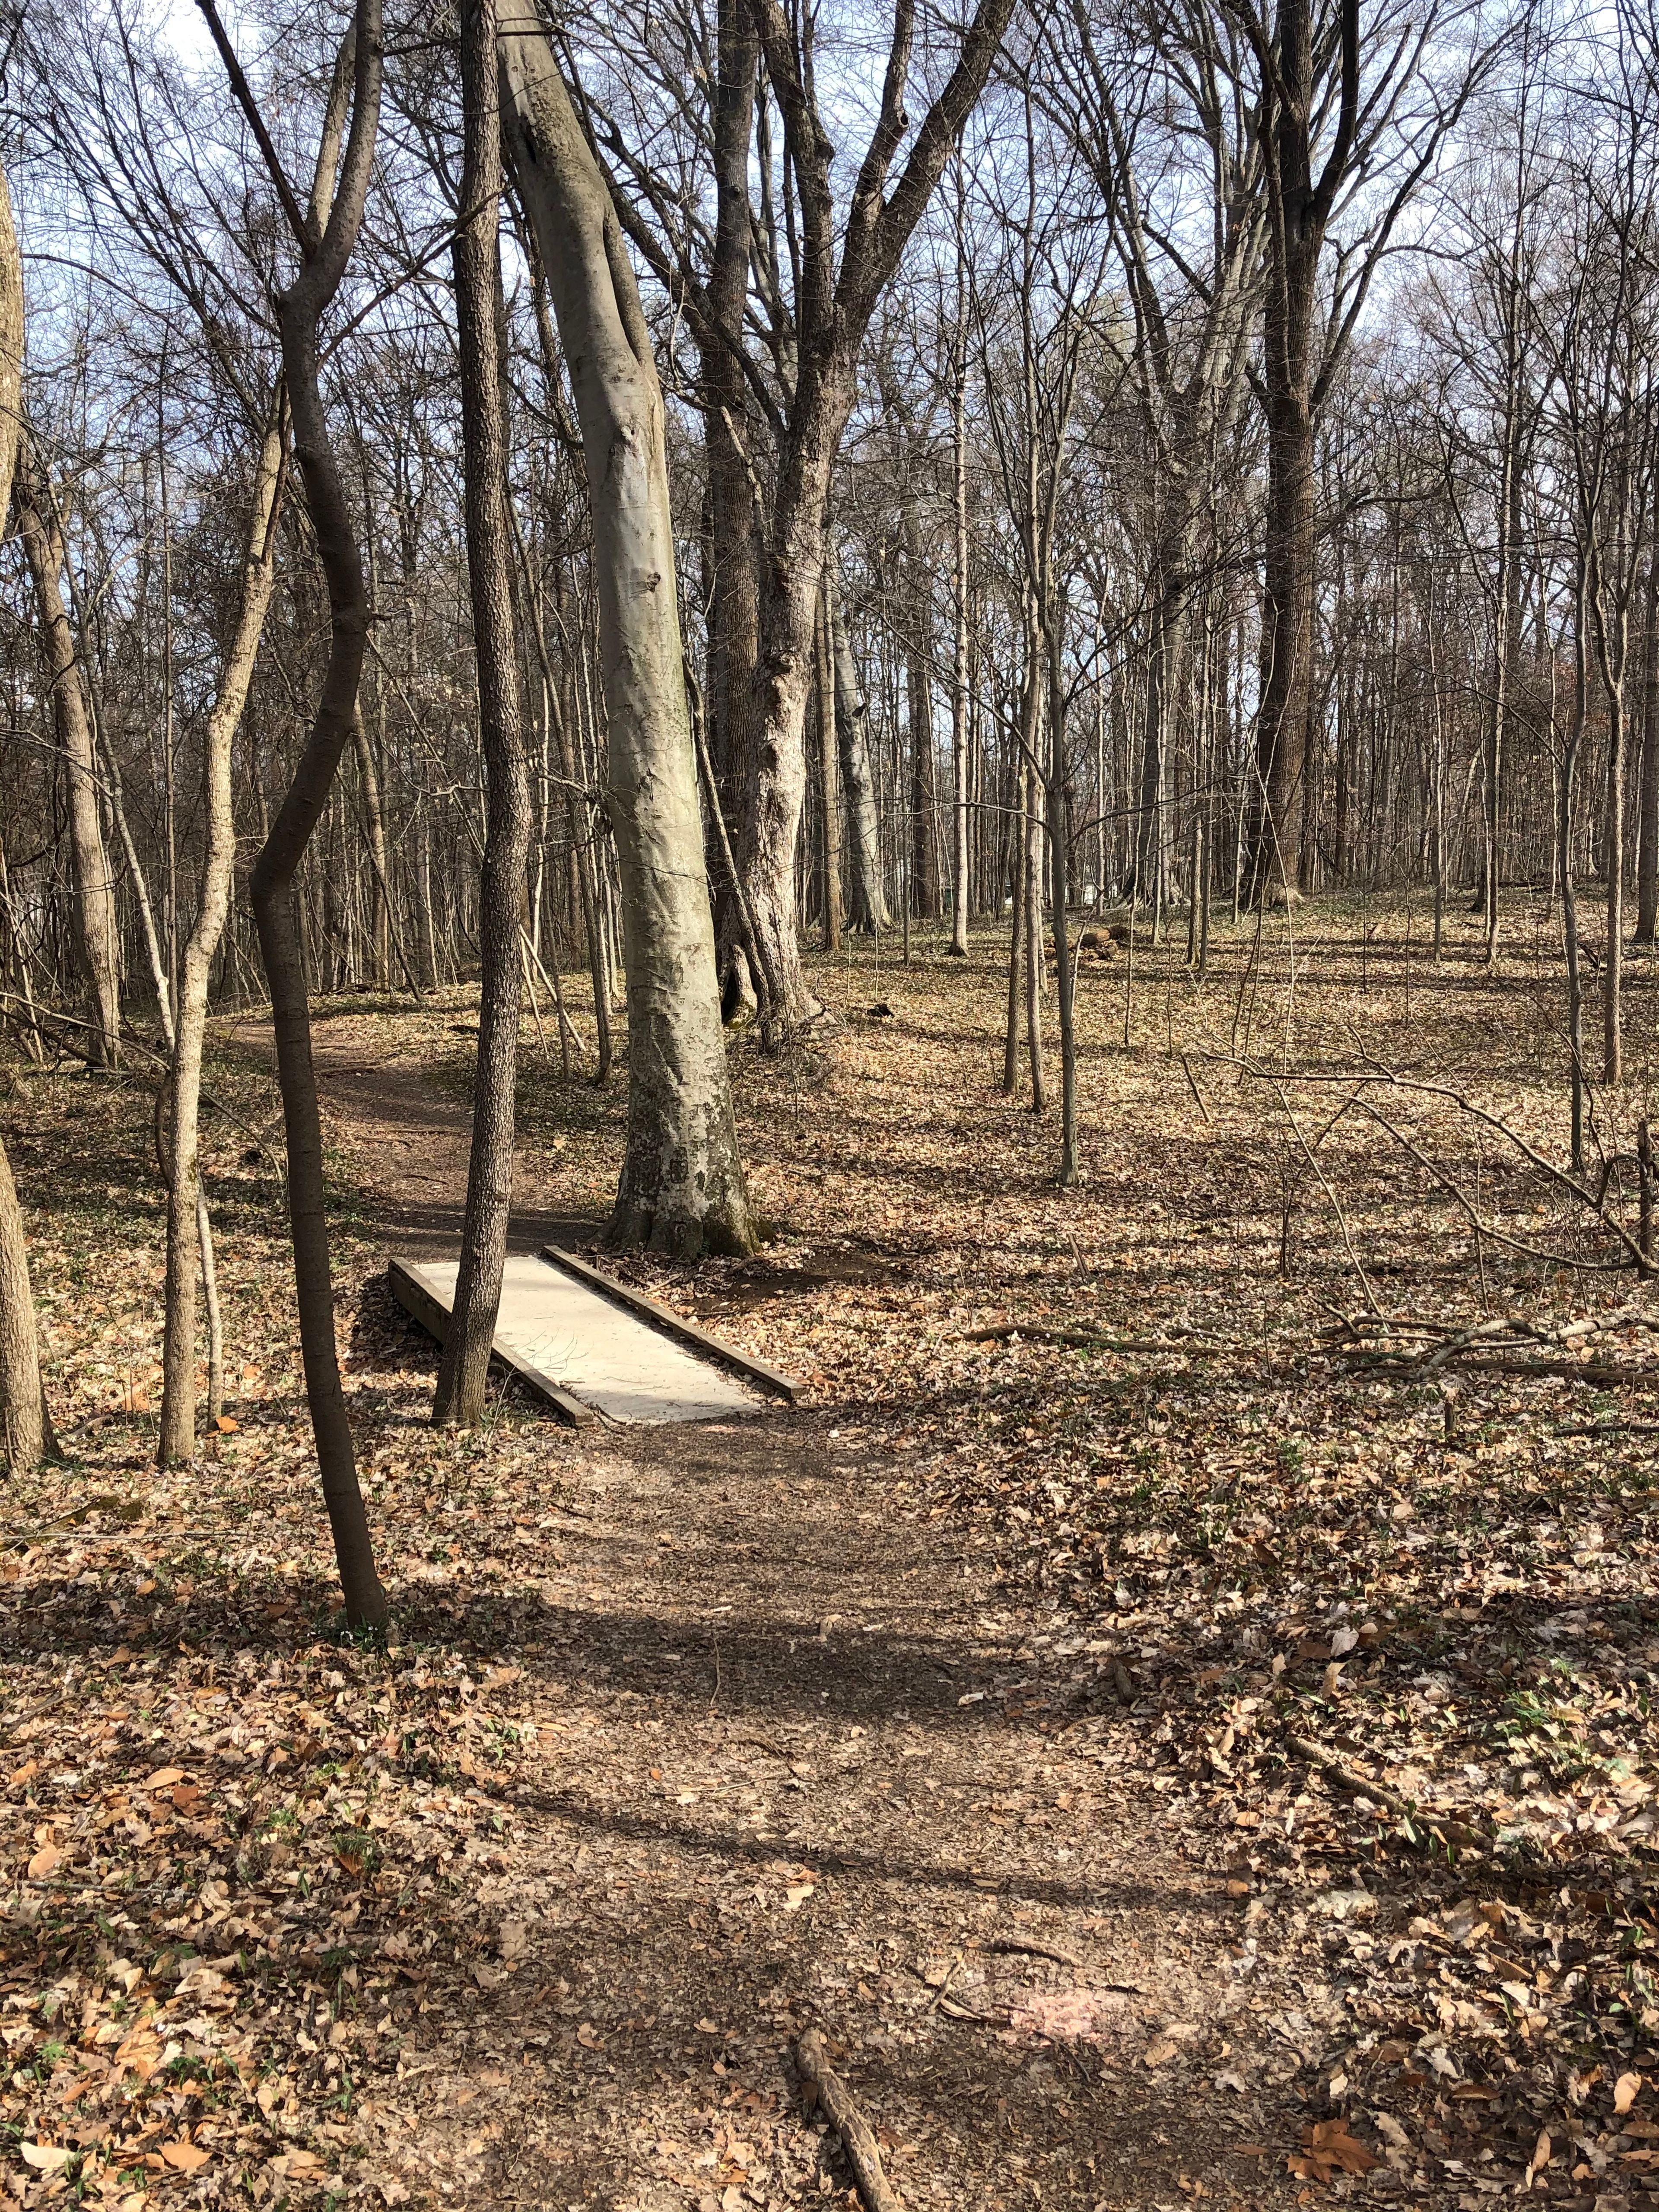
{"points": [[324, 250], [185, 1202], [682, 1189], [464, 1370]]}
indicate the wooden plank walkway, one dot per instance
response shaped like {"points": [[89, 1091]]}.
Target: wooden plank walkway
{"points": [[582, 1351]]}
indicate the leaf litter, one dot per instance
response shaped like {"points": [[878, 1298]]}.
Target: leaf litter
{"points": [[1185, 1607]]}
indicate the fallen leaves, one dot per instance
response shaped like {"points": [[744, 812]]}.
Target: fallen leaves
{"points": [[185, 2157], [1327, 2150], [45, 2157]]}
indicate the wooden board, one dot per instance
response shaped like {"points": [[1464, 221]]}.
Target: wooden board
{"points": [[430, 1305], [583, 1353], [664, 1317]]}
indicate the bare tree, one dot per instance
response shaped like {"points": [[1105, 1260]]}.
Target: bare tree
{"points": [[97, 938], [188, 1234], [324, 247], [833, 307], [464, 1370], [682, 1189], [23, 1428]]}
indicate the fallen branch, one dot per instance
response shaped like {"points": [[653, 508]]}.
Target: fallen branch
{"points": [[1357, 1785], [1084, 1341], [827, 2090], [1019, 1943], [1474, 1361]]}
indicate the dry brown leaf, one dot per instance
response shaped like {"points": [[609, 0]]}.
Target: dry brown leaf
{"points": [[185, 2156], [1329, 2149], [45, 2157], [1626, 2090], [44, 1861]]}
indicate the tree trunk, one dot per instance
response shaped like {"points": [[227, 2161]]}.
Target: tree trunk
{"points": [[828, 776], [22, 1403], [733, 577], [1059, 826], [1647, 825], [791, 571], [97, 940], [867, 908], [325, 251], [923, 872], [1016, 937], [682, 1189], [1612, 1041], [1286, 634], [464, 1372], [185, 1203]]}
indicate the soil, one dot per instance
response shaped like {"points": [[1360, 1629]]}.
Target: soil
{"points": [[796, 1804]]}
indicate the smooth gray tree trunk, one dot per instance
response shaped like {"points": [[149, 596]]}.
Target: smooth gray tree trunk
{"points": [[682, 1189]]}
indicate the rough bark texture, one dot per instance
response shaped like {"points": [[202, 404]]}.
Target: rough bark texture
{"points": [[682, 1189], [98, 944], [464, 1372], [186, 1208]]}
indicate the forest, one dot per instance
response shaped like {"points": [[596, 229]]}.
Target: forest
{"points": [[829, 874]]}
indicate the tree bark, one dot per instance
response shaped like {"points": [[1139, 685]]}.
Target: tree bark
{"points": [[185, 1202], [682, 1189], [97, 938], [464, 1372], [867, 908], [1647, 826], [733, 580], [23, 1429], [324, 250], [1065, 969], [1294, 80], [829, 774], [959, 875], [833, 308]]}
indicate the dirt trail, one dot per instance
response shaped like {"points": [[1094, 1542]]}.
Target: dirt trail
{"points": [[780, 1779]]}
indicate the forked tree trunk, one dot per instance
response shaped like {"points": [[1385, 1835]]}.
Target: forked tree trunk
{"points": [[324, 250], [185, 1228], [464, 1372], [23, 1405], [682, 1189], [833, 313], [97, 940]]}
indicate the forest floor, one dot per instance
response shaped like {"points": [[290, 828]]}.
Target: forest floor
{"points": [[1008, 1710]]}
